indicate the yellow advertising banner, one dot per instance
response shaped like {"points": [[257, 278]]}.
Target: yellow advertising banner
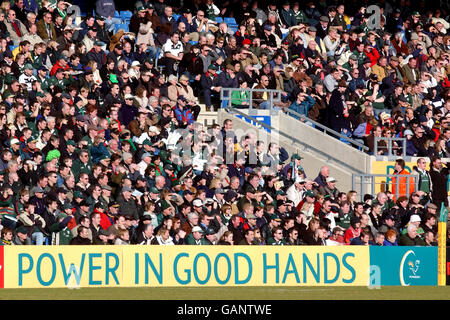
{"points": [[62, 266], [184, 266]]}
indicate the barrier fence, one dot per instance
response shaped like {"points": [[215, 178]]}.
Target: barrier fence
{"points": [[196, 266], [399, 185]]}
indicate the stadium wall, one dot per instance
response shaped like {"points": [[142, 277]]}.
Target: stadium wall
{"points": [[197, 266]]}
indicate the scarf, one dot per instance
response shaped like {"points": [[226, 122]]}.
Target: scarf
{"points": [[7, 242]]}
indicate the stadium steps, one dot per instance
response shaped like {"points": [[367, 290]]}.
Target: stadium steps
{"points": [[207, 118], [317, 148]]}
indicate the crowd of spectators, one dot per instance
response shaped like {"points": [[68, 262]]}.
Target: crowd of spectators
{"points": [[99, 146]]}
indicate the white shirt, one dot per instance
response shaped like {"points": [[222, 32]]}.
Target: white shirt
{"points": [[170, 47], [27, 80]]}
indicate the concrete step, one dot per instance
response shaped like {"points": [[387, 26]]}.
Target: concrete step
{"points": [[207, 118]]}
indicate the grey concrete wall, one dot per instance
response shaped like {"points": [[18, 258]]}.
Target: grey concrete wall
{"points": [[330, 146], [313, 160]]}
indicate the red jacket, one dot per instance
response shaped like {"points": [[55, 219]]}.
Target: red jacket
{"points": [[105, 221], [57, 66], [373, 55]]}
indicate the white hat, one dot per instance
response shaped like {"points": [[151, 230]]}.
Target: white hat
{"points": [[300, 180], [197, 203], [14, 141], [331, 179], [153, 129], [135, 64], [129, 96], [197, 229], [173, 78], [415, 218]]}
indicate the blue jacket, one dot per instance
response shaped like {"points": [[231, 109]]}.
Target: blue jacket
{"points": [[105, 8], [225, 81], [303, 107], [184, 115], [411, 150], [97, 152]]}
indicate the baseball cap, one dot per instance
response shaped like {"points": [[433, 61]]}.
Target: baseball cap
{"points": [[331, 179], [126, 188], [154, 129], [128, 96], [197, 203], [197, 229], [275, 217], [415, 218], [154, 190], [309, 193], [268, 27], [212, 67]]}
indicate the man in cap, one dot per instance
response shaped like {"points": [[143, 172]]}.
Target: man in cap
{"points": [[102, 237], [97, 54], [210, 86], [26, 78], [128, 204], [196, 237], [295, 192], [330, 189], [21, 236]]}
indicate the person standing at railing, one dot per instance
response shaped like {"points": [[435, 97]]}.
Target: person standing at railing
{"points": [[439, 177], [338, 110], [404, 186], [302, 105]]}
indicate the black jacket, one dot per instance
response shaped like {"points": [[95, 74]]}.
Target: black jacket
{"points": [[439, 181]]}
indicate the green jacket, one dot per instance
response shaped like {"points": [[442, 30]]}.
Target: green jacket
{"points": [[272, 242], [191, 241], [61, 237], [238, 97], [78, 167], [405, 240]]}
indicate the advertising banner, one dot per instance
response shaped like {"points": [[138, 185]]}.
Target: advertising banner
{"points": [[62, 266], [132, 266], [405, 266]]}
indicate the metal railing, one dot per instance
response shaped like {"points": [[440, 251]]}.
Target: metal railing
{"points": [[374, 183], [392, 150], [293, 139], [329, 131], [275, 96], [272, 97]]}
